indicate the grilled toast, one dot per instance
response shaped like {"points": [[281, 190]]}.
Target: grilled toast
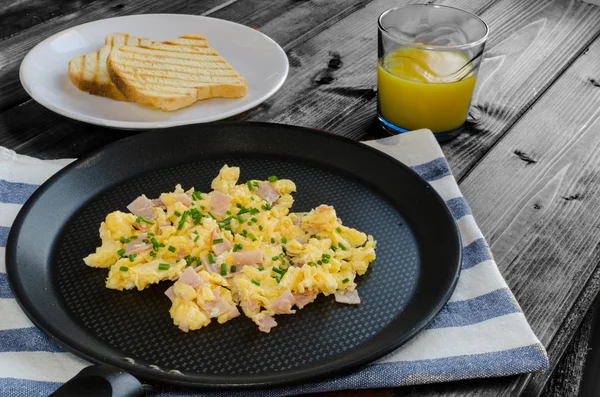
{"points": [[173, 74], [88, 72]]}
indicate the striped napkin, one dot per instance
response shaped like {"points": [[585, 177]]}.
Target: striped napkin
{"points": [[481, 332]]}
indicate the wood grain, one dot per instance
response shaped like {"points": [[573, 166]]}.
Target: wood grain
{"points": [[536, 197]]}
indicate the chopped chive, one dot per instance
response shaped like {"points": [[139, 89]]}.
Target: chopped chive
{"points": [[278, 270], [123, 268], [275, 258], [153, 254], [177, 213], [197, 195], [171, 248], [255, 282], [266, 206], [250, 223], [227, 228], [202, 207], [252, 198], [326, 256], [291, 262], [133, 237], [140, 219], [182, 220], [233, 269], [343, 247], [145, 241], [333, 247], [212, 216], [132, 257], [249, 185], [273, 178], [260, 227], [272, 240], [313, 264], [283, 240], [319, 262], [256, 184], [325, 260], [211, 258], [282, 255], [188, 260], [254, 211], [217, 240], [244, 233], [252, 237], [338, 229], [261, 268], [345, 280], [239, 205], [197, 237], [121, 251], [223, 269], [239, 219], [228, 212], [253, 219], [150, 234], [124, 240], [237, 247], [164, 266], [278, 278], [161, 245], [318, 237]]}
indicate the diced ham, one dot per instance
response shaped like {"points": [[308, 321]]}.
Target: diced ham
{"points": [[142, 206], [234, 312], [267, 192], [181, 253], [190, 277], [347, 297], [183, 325], [250, 304], [219, 203], [164, 223], [219, 248], [297, 221], [304, 299], [136, 246], [159, 203], [210, 267], [265, 323], [216, 307], [284, 303], [184, 199], [247, 258], [170, 293], [298, 264]]}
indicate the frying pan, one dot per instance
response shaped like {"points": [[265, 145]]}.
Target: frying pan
{"points": [[417, 265]]}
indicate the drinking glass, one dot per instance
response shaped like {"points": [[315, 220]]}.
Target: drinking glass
{"points": [[429, 56]]}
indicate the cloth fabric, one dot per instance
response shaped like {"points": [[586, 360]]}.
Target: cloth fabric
{"points": [[481, 332]]}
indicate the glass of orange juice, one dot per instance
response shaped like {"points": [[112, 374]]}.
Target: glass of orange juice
{"points": [[429, 56]]}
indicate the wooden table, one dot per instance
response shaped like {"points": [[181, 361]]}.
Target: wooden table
{"points": [[527, 160]]}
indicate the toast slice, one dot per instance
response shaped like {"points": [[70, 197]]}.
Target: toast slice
{"points": [[88, 72], [173, 74]]}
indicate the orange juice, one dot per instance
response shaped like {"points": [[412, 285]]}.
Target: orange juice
{"points": [[425, 89]]}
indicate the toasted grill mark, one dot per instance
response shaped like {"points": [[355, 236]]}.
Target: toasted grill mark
{"points": [[524, 157], [97, 67], [575, 196], [595, 83]]}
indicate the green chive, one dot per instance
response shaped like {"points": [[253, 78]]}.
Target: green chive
{"points": [[177, 213], [145, 241], [325, 260], [121, 251], [273, 178], [211, 258], [244, 233], [171, 248], [239, 219], [239, 205], [217, 240], [319, 262], [164, 266], [283, 240], [132, 257], [277, 270], [233, 268], [223, 269], [291, 263], [123, 268], [237, 247], [282, 255], [252, 198], [227, 228], [254, 211], [333, 247], [153, 254], [255, 282], [278, 278], [313, 264], [140, 219], [272, 240], [326, 256], [253, 219], [212, 216], [250, 223], [202, 207], [275, 258], [124, 240], [150, 234], [252, 237], [182, 220], [266, 207], [256, 184], [197, 195], [345, 280], [318, 237], [260, 227], [197, 237], [133, 237], [343, 247], [249, 185], [338, 229], [260, 269]]}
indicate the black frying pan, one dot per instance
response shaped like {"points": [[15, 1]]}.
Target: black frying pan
{"points": [[417, 265]]}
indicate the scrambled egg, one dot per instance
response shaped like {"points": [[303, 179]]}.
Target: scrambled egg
{"points": [[238, 244]]}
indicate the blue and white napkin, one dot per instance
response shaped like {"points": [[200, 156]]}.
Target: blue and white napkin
{"points": [[481, 332]]}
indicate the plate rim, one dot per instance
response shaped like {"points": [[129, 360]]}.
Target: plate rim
{"points": [[164, 378], [146, 125]]}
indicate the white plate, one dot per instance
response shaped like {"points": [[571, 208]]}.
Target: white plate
{"points": [[255, 56]]}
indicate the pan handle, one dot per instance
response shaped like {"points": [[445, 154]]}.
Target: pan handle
{"points": [[101, 381]]}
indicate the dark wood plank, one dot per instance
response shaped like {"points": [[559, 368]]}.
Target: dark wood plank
{"points": [[536, 197], [32, 129]]}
